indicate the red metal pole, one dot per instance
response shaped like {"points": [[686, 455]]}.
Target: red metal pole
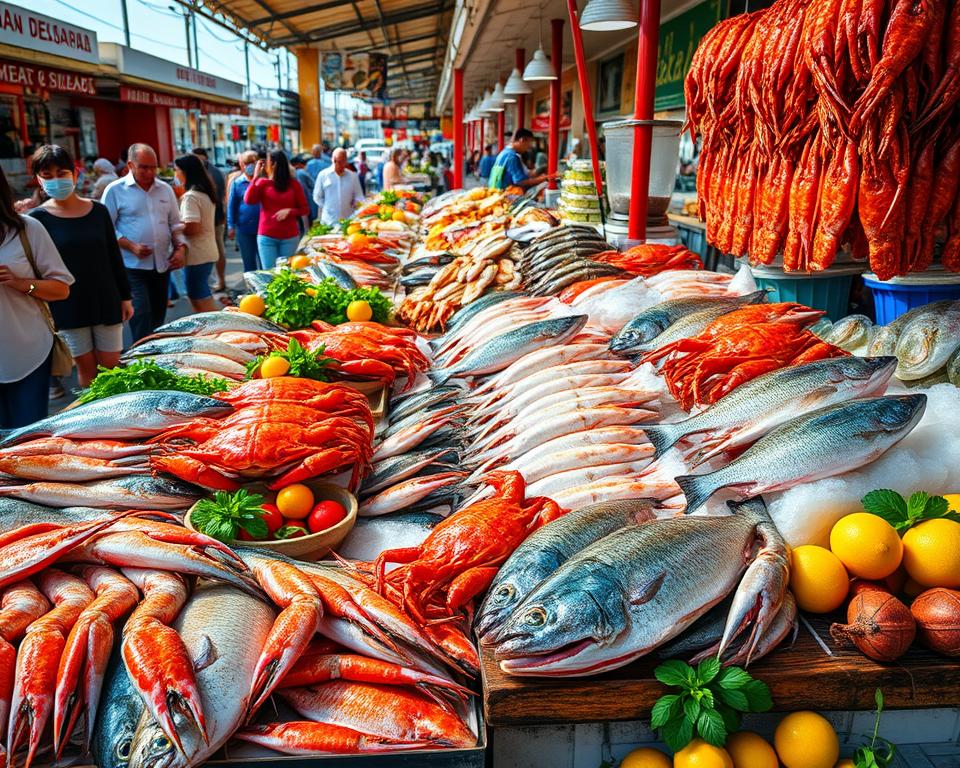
{"points": [[501, 129], [458, 134], [643, 110], [520, 62], [553, 139], [585, 93]]}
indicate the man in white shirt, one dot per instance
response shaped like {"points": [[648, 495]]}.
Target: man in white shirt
{"points": [[146, 217], [337, 191]]}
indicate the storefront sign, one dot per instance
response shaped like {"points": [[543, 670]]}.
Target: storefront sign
{"points": [[155, 99], [679, 38], [45, 79], [26, 29], [363, 74], [212, 108], [140, 64]]}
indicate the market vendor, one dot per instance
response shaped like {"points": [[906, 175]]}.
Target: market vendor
{"points": [[337, 191], [508, 168]]}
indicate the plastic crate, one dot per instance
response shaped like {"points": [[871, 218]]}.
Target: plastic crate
{"points": [[828, 290], [891, 298]]}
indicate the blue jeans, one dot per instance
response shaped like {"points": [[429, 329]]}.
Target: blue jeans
{"points": [[178, 284], [149, 290], [248, 251], [198, 280], [24, 402], [273, 249]]}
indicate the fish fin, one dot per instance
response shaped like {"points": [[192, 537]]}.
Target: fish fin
{"points": [[697, 489], [206, 654], [649, 590], [661, 436], [754, 507], [440, 376]]}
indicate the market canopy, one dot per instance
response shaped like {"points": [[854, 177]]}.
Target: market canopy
{"points": [[412, 33]]}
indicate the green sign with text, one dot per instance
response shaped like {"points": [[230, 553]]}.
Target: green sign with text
{"points": [[679, 38]]}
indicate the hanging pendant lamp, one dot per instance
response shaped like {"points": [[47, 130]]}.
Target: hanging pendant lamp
{"points": [[516, 86], [497, 103], [539, 67], [608, 15]]}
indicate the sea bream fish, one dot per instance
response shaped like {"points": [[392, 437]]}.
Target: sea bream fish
{"points": [[224, 630], [823, 443], [634, 589], [130, 416], [546, 549], [502, 350], [754, 408]]}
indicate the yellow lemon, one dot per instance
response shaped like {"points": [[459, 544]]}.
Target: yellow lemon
{"points": [[299, 262], [846, 763], [311, 292], [358, 238], [931, 553], [353, 228], [274, 366], [359, 311], [750, 750], [818, 579], [867, 545], [295, 501], [645, 757], [806, 740], [953, 501], [252, 304], [699, 754], [399, 216]]}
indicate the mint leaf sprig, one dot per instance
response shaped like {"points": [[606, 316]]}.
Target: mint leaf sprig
{"points": [[874, 755], [710, 704], [903, 513], [223, 516]]}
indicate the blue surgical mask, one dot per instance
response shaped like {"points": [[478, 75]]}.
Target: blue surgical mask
{"points": [[249, 168], [58, 189]]}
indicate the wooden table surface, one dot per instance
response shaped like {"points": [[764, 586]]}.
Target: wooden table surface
{"points": [[802, 677]]}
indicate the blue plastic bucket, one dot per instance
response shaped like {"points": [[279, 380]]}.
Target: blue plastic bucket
{"points": [[891, 298], [828, 290]]}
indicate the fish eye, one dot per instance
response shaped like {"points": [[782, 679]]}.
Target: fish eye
{"points": [[536, 617], [123, 749], [504, 593], [161, 742]]}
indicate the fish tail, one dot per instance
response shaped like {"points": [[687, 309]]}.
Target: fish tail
{"points": [[439, 377], [697, 489], [754, 507], [661, 436]]}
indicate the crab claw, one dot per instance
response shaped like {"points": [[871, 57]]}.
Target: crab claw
{"points": [[193, 471]]}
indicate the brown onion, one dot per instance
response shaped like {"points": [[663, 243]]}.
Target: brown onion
{"points": [[937, 612], [878, 624], [862, 585]]}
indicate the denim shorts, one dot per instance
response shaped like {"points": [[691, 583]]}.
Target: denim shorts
{"points": [[198, 280], [105, 338]]}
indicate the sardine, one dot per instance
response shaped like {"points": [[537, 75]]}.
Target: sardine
{"points": [[409, 438], [396, 468], [209, 323], [461, 316], [650, 323], [754, 408], [408, 492], [583, 272], [824, 443], [409, 405], [546, 549], [134, 492], [324, 269], [885, 338], [175, 345], [508, 347], [435, 259], [625, 594], [131, 416], [927, 343], [224, 631], [424, 413], [119, 713], [418, 278]]}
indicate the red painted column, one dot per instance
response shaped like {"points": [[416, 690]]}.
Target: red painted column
{"points": [[458, 133], [501, 129], [481, 133], [553, 138], [587, 99], [643, 110], [520, 62]]}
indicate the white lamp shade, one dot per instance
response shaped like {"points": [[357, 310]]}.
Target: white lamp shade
{"points": [[516, 86], [496, 103], [539, 68], [608, 15], [486, 103]]}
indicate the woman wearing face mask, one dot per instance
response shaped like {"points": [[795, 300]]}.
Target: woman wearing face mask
{"points": [[198, 212], [282, 203], [243, 219], [91, 319]]}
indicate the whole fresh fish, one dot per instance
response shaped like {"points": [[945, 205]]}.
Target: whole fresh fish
{"points": [[685, 327], [754, 408], [650, 323], [424, 413], [545, 462], [257, 280], [133, 492], [224, 631], [130, 416], [372, 535], [546, 549], [435, 259], [953, 369], [538, 361], [396, 468], [210, 323], [496, 326], [884, 341], [467, 313], [16, 513], [559, 482], [406, 493], [120, 711], [324, 269], [852, 333], [177, 345], [94, 449], [478, 325], [824, 443], [927, 342], [401, 408], [583, 271], [71, 469], [498, 353], [622, 596], [409, 437], [215, 364]]}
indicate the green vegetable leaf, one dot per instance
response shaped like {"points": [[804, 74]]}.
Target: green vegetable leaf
{"points": [[731, 718], [711, 728], [734, 698], [146, 374], [677, 733], [691, 708], [674, 672], [288, 532], [225, 514], [304, 364], [666, 708], [255, 526], [878, 700], [758, 696], [733, 677], [902, 514], [916, 504], [707, 670], [887, 504]]}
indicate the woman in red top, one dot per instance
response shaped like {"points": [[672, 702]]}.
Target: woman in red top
{"points": [[282, 203]]}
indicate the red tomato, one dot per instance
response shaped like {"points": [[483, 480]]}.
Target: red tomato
{"points": [[272, 517], [325, 515], [292, 529], [244, 536]]}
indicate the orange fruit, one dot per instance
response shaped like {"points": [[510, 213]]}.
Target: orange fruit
{"points": [[274, 366], [359, 311], [646, 757], [699, 754], [295, 501], [358, 238], [299, 261], [398, 216], [252, 304], [806, 740], [750, 750]]}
